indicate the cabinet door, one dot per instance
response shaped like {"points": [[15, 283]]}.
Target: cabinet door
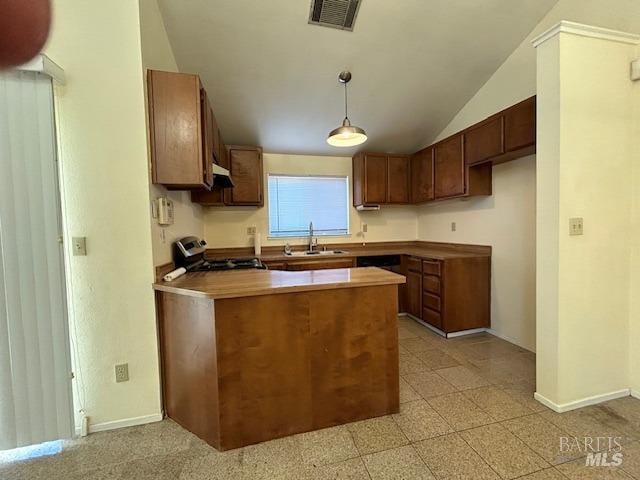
{"points": [[449, 168], [375, 179], [175, 130], [215, 196], [520, 125], [422, 176], [321, 264], [414, 294], [484, 141], [398, 178], [245, 166], [209, 129]]}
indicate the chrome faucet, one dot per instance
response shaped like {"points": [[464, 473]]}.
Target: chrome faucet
{"points": [[313, 242]]}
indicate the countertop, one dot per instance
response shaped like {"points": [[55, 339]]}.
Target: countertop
{"points": [[366, 252], [433, 250], [249, 283]]}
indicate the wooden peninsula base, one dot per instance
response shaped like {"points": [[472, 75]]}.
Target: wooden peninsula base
{"points": [[242, 370]]}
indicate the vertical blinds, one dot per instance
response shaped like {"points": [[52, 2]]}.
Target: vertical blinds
{"points": [[35, 370], [294, 201]]}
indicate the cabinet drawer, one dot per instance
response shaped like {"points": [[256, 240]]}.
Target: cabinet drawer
{"points": [[414, 265], [432, 317], [431, 267], [431, 283], [431, 301], [275, 265]]}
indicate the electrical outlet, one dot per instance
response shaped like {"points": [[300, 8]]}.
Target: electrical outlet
{"points": [[365, 227], [79, 245], [122, 372], [453, 226], [251, 230], [576, 226]]}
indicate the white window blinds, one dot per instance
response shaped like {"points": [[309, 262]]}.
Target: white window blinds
{"points": [[295, 201], [35, 369]]}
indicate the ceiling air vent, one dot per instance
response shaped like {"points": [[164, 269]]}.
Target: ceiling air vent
{"points": [[334, 13]]}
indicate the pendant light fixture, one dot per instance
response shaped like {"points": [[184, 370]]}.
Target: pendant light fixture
{"points": [[347, 135]]}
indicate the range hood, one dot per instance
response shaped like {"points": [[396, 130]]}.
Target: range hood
{"points": [[364, 208], [221, 177]]}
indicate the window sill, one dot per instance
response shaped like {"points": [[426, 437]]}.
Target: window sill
{"points": [[305, 237]]}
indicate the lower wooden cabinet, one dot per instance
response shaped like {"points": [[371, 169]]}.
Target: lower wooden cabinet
{"points": [[275, 265], [413, 287], [310, 264], [451, 295]]}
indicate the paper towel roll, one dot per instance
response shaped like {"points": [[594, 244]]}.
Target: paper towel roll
{"points": [[178, 272], [257, 244]]}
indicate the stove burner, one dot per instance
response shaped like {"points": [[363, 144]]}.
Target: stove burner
{"points": [[228, 264]]}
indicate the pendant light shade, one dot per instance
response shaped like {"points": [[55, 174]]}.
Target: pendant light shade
{"points": [[346, 135]]}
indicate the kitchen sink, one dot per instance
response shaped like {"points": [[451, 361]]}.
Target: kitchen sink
{"points": [[316, 253]]}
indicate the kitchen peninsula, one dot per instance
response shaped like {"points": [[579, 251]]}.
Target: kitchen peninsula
{"points": [[253, 355]]}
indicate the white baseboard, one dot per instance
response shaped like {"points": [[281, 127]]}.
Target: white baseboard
{"points": [[462, 333], [495, 333], [635, 393], [125, 422], [584, 402], [440, 332]]}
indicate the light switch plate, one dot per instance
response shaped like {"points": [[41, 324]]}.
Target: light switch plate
{"points": [[365, 227], [79, 246], [576, 226]]}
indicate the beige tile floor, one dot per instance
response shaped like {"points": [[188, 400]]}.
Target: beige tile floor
{"points": [[467, 412]]}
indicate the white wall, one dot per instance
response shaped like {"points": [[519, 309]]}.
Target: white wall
{"points": [[515, 80], [587, 166], [101, 123], [505, 220], [158, 55], [227, 226]]}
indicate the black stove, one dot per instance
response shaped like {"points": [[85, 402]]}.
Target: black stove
{"points": [[189, 253], [226, 264]]}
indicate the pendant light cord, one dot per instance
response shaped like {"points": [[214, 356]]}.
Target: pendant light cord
{"points": [[346, 113]]}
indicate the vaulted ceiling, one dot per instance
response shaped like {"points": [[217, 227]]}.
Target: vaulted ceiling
{"points": [[272, 77]]}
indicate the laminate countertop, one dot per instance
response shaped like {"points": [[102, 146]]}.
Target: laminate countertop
{"points": [[249, 283], [374, 252], [430, 250]]}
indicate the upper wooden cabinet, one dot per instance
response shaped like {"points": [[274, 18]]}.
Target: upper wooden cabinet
{"points": [[484, 140], [398, 179], [422, 176], [520, 126], [379, 179], [246, 170], [245, 167], [449, 167], [507, 135], [214, 197], [180, 127]]}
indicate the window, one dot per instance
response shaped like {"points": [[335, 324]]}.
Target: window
{"points": [[294, 201]]}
